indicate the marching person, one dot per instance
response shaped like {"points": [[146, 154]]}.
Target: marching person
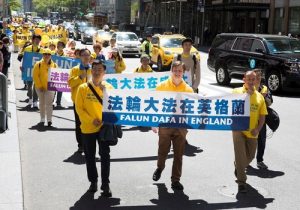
{"points": [[79, 74], [262, 136], [34, 47], [245, 142], [193, 71], [176, 136], [146, 46], [119, 64], [98, 54], [40, 79], [145, 67], [89, 110], [59, 52]]}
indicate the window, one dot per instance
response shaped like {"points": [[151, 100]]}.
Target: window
{"points": [[294, 23], [243, 44], [257, 44]]}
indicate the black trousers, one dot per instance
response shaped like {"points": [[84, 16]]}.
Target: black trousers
{"points": [[31, 92], [77, 128], [89, 142], [261, 143], [58, 98]]}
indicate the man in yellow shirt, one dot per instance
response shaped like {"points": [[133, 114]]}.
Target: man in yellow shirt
{"points": [[175, 135], [89, 110], [34, 47], [79, 74], [245, 142], [145, 67]]}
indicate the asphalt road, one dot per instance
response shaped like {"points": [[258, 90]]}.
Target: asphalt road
{"points": [[54, 176]]}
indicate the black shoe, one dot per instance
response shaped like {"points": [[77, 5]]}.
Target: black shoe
{"points": [[49, 124], [93, 187], [242, 188], [177, 185], [80, 149], [235, 172], [106, 191], [156, 174]]}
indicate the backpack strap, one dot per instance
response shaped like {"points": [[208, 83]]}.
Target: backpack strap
{"points": [[195, 61], [179, 57]]}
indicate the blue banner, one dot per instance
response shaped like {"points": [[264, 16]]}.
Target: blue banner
{"points": [[176, 109], [31, 58]]}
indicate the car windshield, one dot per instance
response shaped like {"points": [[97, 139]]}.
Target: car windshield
{"points": [[171, 42], [89, 30], [277, 46], [127, 37]]}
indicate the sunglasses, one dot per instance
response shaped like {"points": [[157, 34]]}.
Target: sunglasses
{"points": [[47, 54]]}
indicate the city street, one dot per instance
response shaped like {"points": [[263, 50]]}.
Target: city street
{"points": [[54, 176]]}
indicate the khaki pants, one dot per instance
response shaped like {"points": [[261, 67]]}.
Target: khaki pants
{"points": [[244, 151], [46, 100], [178, 139]]}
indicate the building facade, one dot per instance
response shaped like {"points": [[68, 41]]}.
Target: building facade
{"points": [[285, 17], [27, 5], [117, 11]]}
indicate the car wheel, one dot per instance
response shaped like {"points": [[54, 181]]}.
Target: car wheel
{"points": [[274, 81], [222, 76], [159, 64]]}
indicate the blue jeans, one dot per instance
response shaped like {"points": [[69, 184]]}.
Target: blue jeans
{"points": [[89, 143]]}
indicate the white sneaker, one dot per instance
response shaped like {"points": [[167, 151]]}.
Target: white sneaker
{"points": [[35, 105], [30, 102]]}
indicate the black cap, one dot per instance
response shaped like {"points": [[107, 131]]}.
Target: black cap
{"points": [[187, 40]]}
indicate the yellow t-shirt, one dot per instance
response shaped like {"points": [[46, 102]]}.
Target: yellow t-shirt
{"points": [[257, 107], [74, 80], [40, 73], [168, 85], [88, 107], [141, 70]]}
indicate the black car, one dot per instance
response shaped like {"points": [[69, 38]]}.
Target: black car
{"points": [[87, 35], [79, 27], [231, 55]]}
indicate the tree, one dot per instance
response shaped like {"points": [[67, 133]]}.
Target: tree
{"points": [[14, 5]]}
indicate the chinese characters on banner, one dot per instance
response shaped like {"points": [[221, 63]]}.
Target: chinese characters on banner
{"points": [[180, 110], [58, 78], [30, 59]]}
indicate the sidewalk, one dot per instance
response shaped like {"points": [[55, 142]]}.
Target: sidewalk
{"points": [[11, 193]]}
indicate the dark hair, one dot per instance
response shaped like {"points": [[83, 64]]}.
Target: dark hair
{"points": [[187, 40], [5, 40], [83, 50], [98, 62], [36, 36], [77, 50], [97, 45], [61, 43]]}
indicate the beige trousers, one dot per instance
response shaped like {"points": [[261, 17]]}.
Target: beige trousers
{"points": [[244, 151], [46, 104]]}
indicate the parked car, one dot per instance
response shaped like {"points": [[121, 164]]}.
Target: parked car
{"points": [[87, 35], [231, 55], [164, 49], [102, 37], [79, 27], [128, 43]]}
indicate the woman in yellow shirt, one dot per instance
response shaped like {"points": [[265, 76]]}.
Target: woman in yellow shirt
{"points": [[118, 60], [145, 67], [40, 79]]}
